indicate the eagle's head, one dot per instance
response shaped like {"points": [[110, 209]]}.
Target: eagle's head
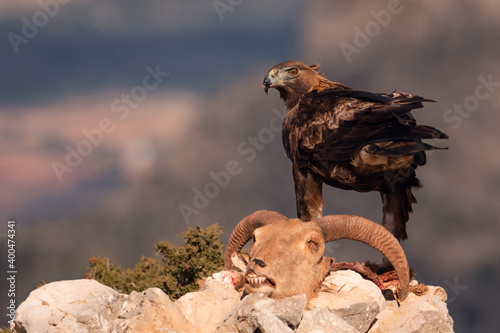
{"points": [[292, 79]]}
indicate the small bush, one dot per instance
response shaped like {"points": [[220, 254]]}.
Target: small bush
{"points": [[178, 271]]}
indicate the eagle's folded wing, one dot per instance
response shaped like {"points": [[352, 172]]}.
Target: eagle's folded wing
{"points": [[334, 124]]}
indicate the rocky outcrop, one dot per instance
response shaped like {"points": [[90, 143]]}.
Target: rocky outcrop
{"points": [[208, 307], [425, 313], [259, 312], [88, 306], [347, 303], [352, 298], [323, 320]]}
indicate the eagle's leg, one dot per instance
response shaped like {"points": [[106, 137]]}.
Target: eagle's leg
{"points": [[395, 210], [308, 194]]}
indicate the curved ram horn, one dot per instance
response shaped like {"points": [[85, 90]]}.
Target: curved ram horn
{"points": [[243, 231], [363, 230]]}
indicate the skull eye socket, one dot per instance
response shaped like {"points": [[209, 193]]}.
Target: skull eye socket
{"points": [[293, 71], [313, 245]]}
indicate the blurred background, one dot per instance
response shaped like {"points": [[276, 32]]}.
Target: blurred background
{"points": [[116, 116]]}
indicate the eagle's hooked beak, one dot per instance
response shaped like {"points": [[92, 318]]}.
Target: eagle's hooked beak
{"points": [[269, 82]]}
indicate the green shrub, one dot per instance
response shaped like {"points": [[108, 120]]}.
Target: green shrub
{"points": [[178, 271]]}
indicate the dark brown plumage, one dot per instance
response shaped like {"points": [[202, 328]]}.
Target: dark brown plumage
{"points": [[350, 139]]}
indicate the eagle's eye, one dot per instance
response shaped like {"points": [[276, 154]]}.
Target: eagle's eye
{"points": [[293, 71]]}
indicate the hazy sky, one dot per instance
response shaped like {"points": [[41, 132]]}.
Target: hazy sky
{"points": [[115, 113]]}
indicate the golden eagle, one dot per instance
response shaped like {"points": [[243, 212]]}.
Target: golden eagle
{"points": [[350, 139]]}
